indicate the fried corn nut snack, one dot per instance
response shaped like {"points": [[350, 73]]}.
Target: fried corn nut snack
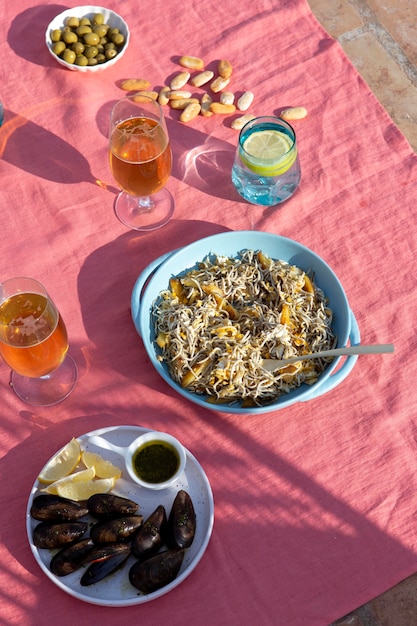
{"points": [[141, 96], [206, 101], [202, 78], [190, 112], [135, 84], [182, 103], [222, 109], [225, 68], [219, 83], [192, 63], [179, 80], [293, 113]]}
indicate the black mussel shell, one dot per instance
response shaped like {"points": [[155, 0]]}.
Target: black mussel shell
{"points": [[69, 559], [108, 505], [102, 568], [104, 551], [157, 571], [151, 535], [181, 521], [113, 530], [46, 535], [49, 508]]}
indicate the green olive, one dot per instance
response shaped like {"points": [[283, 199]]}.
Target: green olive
{"points": [[110, 53], [72, 22], [113, 31], [56, 35], [101, 58], [117, 39], [100, 30], [85, 21], [83, 29], [58, 48], [98, 19], [110, 46], [81, 60], [69, 56], [69, 37], [91, 52], [92, 61], [91, 39], [78, 47]]}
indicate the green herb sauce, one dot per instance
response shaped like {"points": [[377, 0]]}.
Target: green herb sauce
{"points": [[155, 462]]}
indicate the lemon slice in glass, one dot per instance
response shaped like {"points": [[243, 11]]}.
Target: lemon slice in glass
{"points": [[104, 468], [62, 464], [268, 152]]}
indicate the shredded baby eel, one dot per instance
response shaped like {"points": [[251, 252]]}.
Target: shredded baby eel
{"points": [[216, 323]]}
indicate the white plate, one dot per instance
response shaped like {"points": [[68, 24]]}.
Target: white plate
{"points": [[116, 590]]}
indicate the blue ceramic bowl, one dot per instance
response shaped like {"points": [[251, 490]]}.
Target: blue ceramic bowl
{"points": [[156, 278]]}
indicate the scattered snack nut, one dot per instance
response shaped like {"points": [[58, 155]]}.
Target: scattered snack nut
{"points": [[245, 101], [223, 109], [192, 63], [206, 101], [293, 113], [163, 98], [179, 80], [227, 97], [239, 122], [135, 84], [202, 78], [178, 94], [181, 103], [141, 96], [190, 112], [219, 83], [225, 68], [181, 99]]}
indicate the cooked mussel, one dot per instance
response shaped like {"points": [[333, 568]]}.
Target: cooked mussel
{"points": [[113, 556], [181, 521], [49, 535], [49, 508], [69, 559], [108, 505], [119, 529], [157, 571], [151, 535]]}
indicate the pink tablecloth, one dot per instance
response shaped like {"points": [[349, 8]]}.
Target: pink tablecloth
{"points": [[315, 504]]}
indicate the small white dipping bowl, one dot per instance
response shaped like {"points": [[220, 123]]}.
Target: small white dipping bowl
{"points": [[110, 17], [158, 438]]}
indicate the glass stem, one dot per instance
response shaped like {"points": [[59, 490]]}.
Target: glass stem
{"points": [[146, 203]]}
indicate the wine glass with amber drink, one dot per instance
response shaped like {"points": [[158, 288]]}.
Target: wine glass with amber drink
{"points": [[141, 161], [34, 343]]}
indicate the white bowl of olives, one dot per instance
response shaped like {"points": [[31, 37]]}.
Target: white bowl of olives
{"points": [[87, 38]]}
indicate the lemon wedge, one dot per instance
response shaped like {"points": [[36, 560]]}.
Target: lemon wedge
{"points": [[83, 490], [82, 476], [62, 463], [268, 152], [104, 468]]}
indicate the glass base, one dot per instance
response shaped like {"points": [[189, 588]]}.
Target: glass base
{"points": [[47, 390], [144, 213]]}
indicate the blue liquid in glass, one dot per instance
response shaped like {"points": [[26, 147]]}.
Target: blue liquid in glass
{"points": [[265, 190]]}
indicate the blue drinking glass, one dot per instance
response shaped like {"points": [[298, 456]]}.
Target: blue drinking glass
{"points": [[266, 169]]}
